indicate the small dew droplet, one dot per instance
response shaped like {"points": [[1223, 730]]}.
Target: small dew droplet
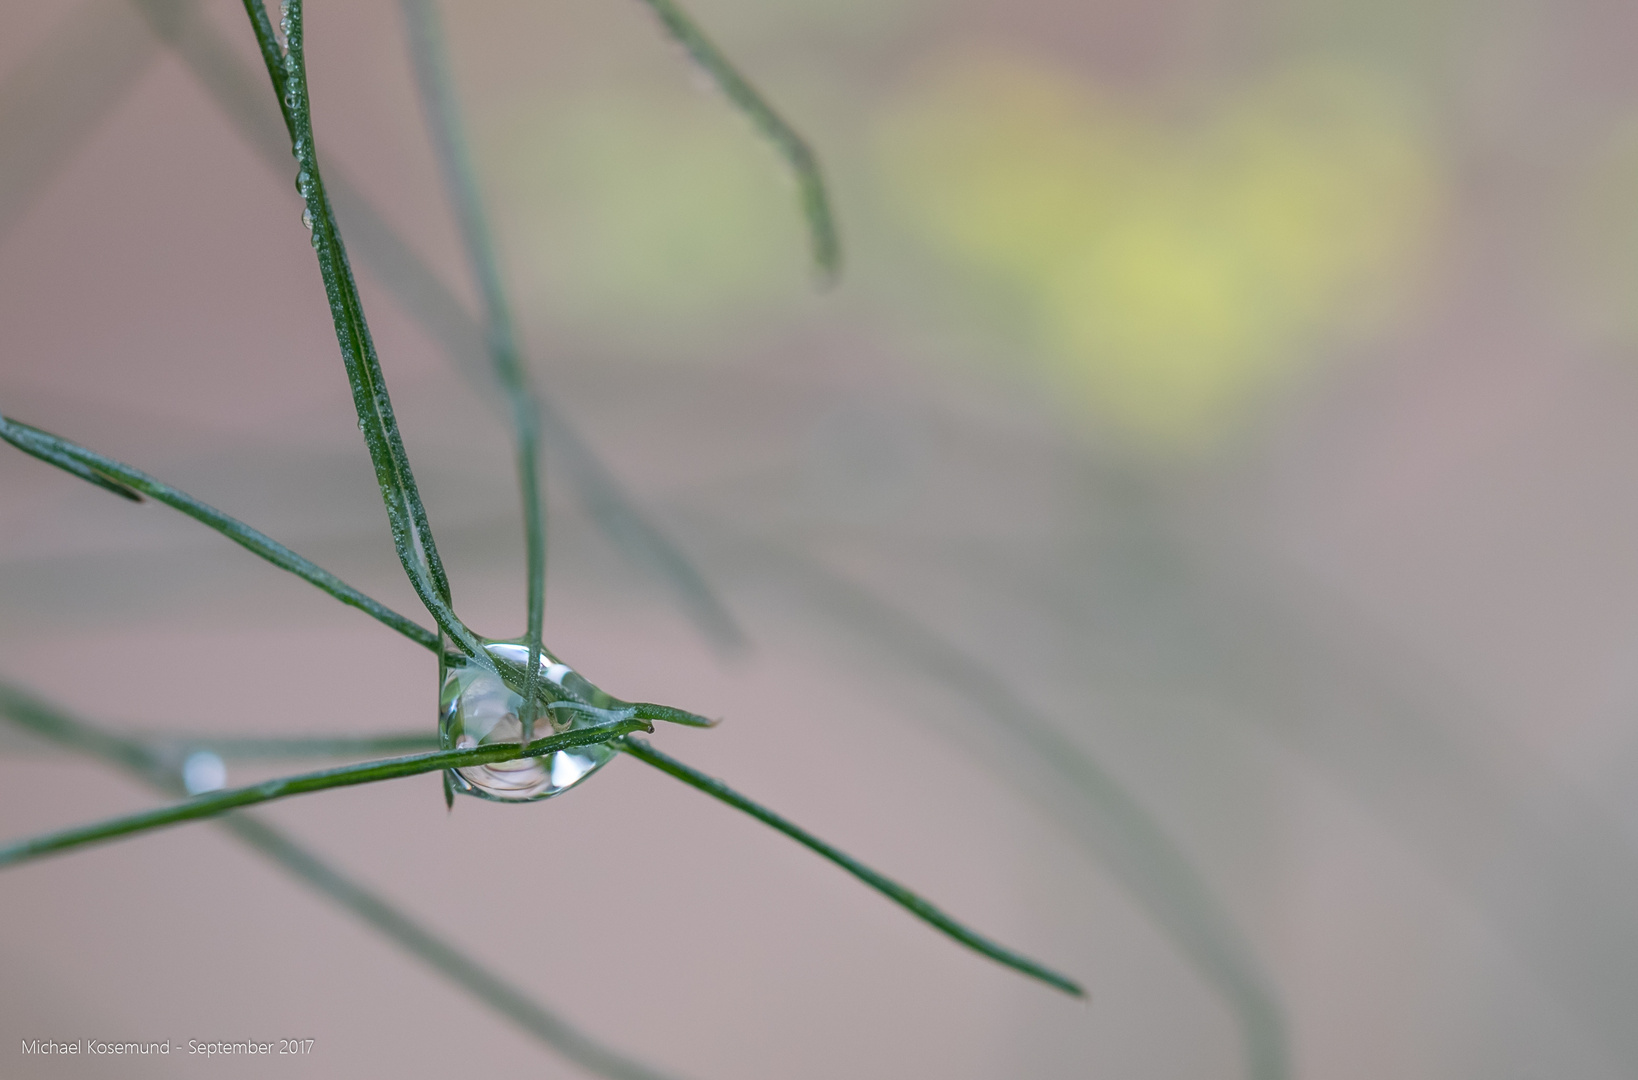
{"points": [[202, 772], [307, 218]]}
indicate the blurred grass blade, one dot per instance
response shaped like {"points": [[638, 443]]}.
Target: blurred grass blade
{"points": [[177, 747], [889, 888], [827, 249], [442, 112], [1110, 822], [439, 954], [412, 535], [47, 722], [52, 102], [367, 772], [425, 297], [123, 480]]}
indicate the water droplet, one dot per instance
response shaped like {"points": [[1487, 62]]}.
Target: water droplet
{"points": [[307, 218], [304, 181], [202, 772], [477, 709]]}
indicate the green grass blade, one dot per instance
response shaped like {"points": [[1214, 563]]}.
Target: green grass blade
{"points": [[368, 772], [827, 249], [1029, 750], [440, 955], [900, 895], [412, 535], [443, 120], [421, 293], [131, 483], [134, 757]]}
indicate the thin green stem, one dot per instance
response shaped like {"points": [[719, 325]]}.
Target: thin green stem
{"points": [[132, 483], [443, 118], [122, 479], [139, 760], [420, 292], [368, 772], [889, 888], [827, 251], [288, 748], [482, 984], [412, 535]]}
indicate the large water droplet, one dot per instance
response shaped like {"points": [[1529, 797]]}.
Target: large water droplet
{"points": [[476, 709]]}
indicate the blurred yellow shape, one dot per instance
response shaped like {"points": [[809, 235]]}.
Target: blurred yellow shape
{"points": [[1167, 275]]}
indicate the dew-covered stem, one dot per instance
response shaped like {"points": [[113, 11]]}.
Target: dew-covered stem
{"points": [[220, 802], [133, 484], [406, 275], [827, 250], [139, 759], [438, 103], [889, 888], [412, 535]]}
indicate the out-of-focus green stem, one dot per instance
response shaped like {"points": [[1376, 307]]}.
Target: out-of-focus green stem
{"points": [[368, 772], [889, 888], [444, 125], [827, 249], [131, 483], [139, 760]]}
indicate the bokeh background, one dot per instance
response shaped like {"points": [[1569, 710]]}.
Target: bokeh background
{"points": [[1193, 542]]}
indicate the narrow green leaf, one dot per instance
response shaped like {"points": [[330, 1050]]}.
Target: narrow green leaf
{"points": [[131, 483], [449, 143], [368, 772], [889, 888], [454, 965], [420, 292], [827, 250], [34, 715], [412, 535]]}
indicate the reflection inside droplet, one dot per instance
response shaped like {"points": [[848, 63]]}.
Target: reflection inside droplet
{"points": [[477, 709]]}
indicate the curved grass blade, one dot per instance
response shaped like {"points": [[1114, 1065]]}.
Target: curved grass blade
{"points": [[53, 100], [368, 772], [1110, 822], [444, 126], [827, 249], [412, 535], [134, 757], [889, 888], [131, 483], [429, 301], [439, 954]]}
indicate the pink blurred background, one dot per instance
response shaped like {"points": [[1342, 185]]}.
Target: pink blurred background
{"points": [[1192, 543]]}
